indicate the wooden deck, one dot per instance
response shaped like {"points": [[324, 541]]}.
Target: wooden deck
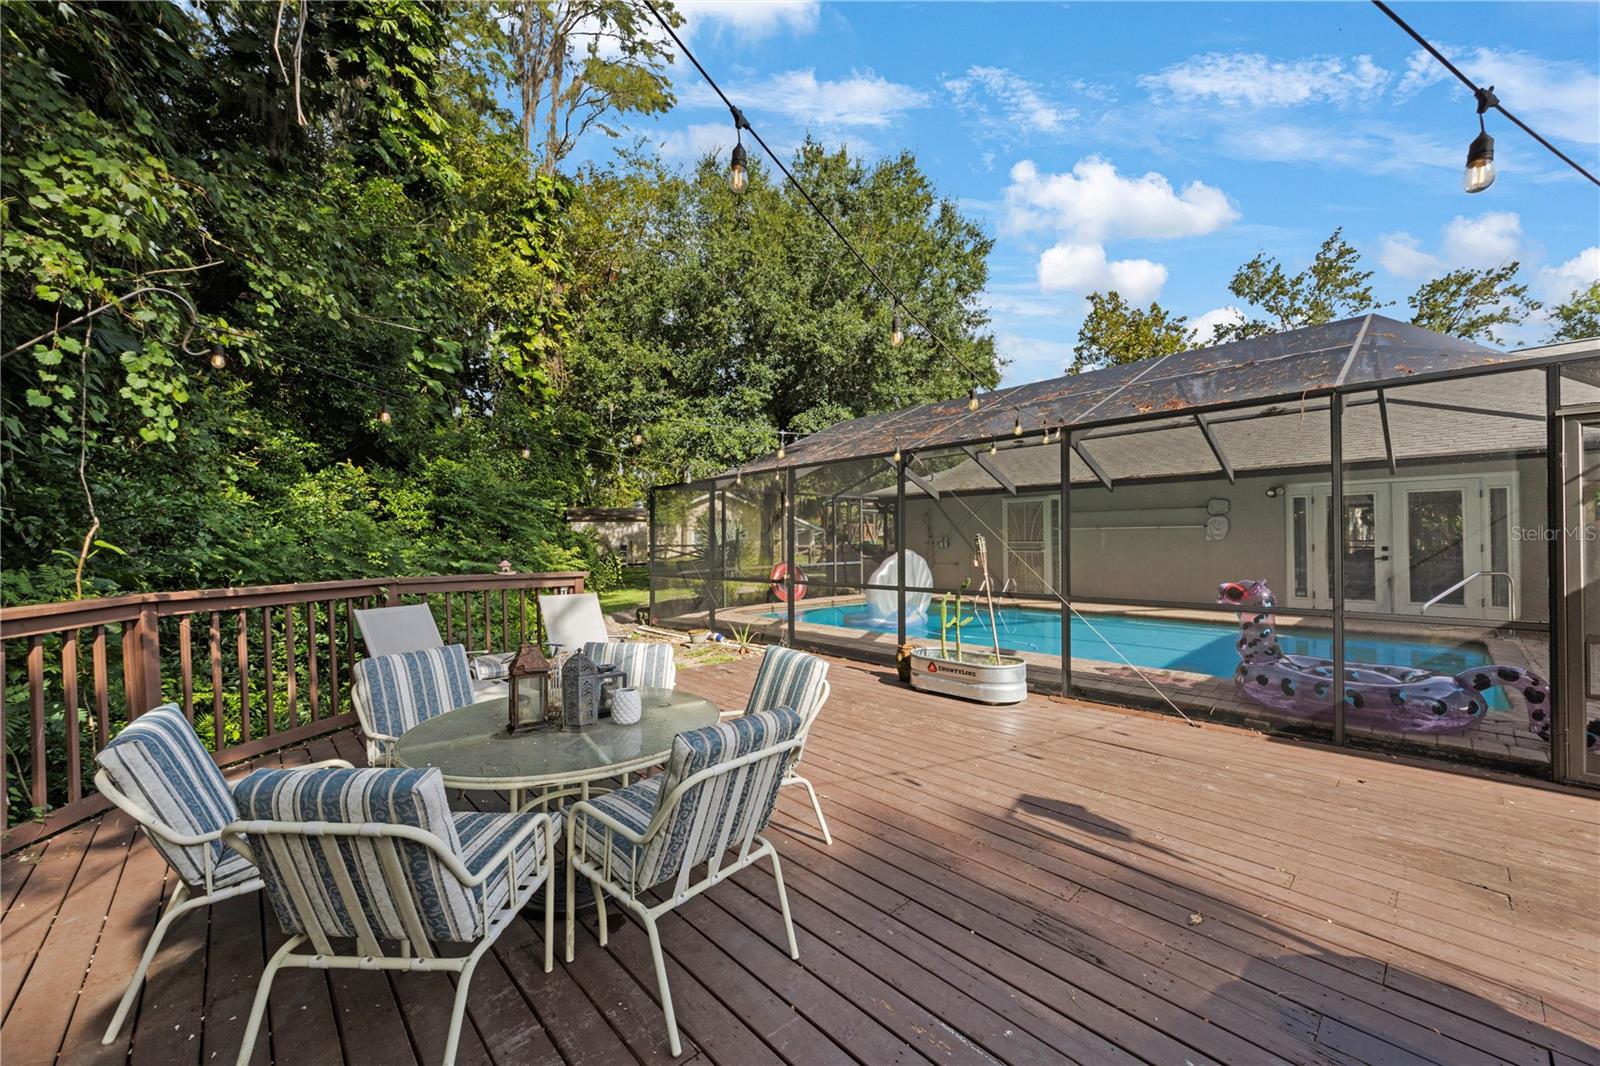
{"points": [[1049, 883]]}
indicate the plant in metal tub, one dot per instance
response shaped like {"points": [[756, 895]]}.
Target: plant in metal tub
{"points": [[980, 676]]}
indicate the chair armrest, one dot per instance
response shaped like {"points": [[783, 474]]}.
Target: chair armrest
{"points": [[325, 764], [586, 809]]}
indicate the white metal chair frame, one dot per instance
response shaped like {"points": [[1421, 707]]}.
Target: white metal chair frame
{"points": [[377, 755], [752, 848], [371, 955], [790, 777], [182, 900]]}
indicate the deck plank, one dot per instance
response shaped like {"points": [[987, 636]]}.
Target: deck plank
{"points": [[1005, 885]]}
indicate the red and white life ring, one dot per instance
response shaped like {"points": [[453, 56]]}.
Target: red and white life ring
{"points": [[780, 590]]}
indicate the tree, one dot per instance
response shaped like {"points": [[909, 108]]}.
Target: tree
{"points": [[1470, 303], [575, 61], [1578, 317], [1333, 286], [710, 320], [1115, 333]]}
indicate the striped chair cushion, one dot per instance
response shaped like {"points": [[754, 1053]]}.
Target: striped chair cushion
{"points": [[483, 835], [633, 806], [401, 691], [691, 832], [159, 763], [789, 678], [645, 664], [449, 911]]}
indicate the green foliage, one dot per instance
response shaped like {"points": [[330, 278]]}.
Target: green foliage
{"points": [[1333, 286], [1578, 317], [1115, 332], [709, 320], [1471, 303]]}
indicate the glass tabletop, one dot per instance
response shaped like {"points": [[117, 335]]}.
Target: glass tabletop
{"points": [[471, 747]]}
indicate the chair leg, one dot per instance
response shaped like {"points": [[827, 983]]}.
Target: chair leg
{"points": [[259, 1007], [550, 918], [459, 1009], [600, 909], [816, 805], [177, 904], [572, 904], [661, 983], [783, 901]]}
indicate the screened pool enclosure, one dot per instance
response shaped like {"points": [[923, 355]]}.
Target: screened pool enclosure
{"points": [[1361, 530]]}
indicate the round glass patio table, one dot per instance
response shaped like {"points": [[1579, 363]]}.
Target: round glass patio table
{"points": [[472, 749]]}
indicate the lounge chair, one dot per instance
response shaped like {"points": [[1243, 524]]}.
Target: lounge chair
{"points": [[715, 795], [158, 773], [394, 693], [572, 619], [412, 627], [377, 856]]}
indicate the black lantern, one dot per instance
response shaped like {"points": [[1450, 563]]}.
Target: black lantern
{"points": [[528, 706]]}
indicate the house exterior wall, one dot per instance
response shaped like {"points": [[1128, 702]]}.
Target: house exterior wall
{"points": [[1180, 565]]}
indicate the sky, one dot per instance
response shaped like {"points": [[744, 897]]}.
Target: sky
{"points": [[1153, 148]]}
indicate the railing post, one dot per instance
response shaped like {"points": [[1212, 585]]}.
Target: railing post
{"points": [[141, 657]]}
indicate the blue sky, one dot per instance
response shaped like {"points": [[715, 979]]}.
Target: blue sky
{"points": [[1155, 147]]}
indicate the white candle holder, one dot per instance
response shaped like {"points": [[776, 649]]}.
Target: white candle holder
{"points": [[626, 706]]}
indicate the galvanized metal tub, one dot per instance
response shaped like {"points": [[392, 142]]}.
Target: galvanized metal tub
{"points": [[980, 676]]}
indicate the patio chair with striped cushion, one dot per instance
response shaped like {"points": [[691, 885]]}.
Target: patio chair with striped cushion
{"points": [[377, 856], [159, 774], [716, 795], [790, 678], [394, 693], [645, 663]]}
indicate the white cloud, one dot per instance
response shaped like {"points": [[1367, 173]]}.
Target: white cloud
{"points": [[1032, 358], [1022, 104], [862, 99], [1402, 255], [749, 20], [1489, 240], [1203, 329], [1369, 146], [1559, 282], [1554, 96], [1085, 268], [691, 143], [1093, 202], [1249, 79]]}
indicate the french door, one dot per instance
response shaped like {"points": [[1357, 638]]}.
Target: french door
{"points": [[1577, 690], [1030, 528], [1435, 546]]}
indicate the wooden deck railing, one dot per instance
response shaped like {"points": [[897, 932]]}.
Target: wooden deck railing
{"points": [[275, 663]]}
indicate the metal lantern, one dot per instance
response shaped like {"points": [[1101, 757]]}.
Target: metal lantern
{"points": [[580, 691], [528, 706]]}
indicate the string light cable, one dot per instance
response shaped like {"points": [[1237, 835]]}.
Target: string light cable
{"points": [[1486, 100]]}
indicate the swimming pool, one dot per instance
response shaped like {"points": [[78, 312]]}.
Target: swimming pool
{"points": [[1159, 643]]}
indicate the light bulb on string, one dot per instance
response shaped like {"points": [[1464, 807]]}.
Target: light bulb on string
{"points": [[384, 416], [993, 447], [527, 453], [638, 438], [972, 399], [780, 447], [897, 452], [219, 359], [738, 171], [897, 332], [1016, 427], [1479, 174]]}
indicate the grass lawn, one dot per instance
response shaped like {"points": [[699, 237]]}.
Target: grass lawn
{"points": [[634, 592]]}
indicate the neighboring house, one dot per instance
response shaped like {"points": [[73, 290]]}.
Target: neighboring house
{"points": [[622, 531]]}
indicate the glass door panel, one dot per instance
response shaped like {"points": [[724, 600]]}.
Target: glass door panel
{"points": [[1579, 696], [1433, 549]]}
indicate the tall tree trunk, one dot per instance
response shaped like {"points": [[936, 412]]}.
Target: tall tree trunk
{"points": [[558, 62]]}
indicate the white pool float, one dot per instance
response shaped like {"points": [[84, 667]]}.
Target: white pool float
{"points": [[881, 602]]}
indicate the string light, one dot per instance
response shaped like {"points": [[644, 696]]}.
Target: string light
{"points": [[385, 416], [738, 167], [972, 399], [897, 334], [897, 451], [638, 438], [219, 359], [780, 445], [993, 447], [527, 453], [1480, 153], [1016, 427]]}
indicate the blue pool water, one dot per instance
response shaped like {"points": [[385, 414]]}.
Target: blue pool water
{"points": [[1166, 644]]}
